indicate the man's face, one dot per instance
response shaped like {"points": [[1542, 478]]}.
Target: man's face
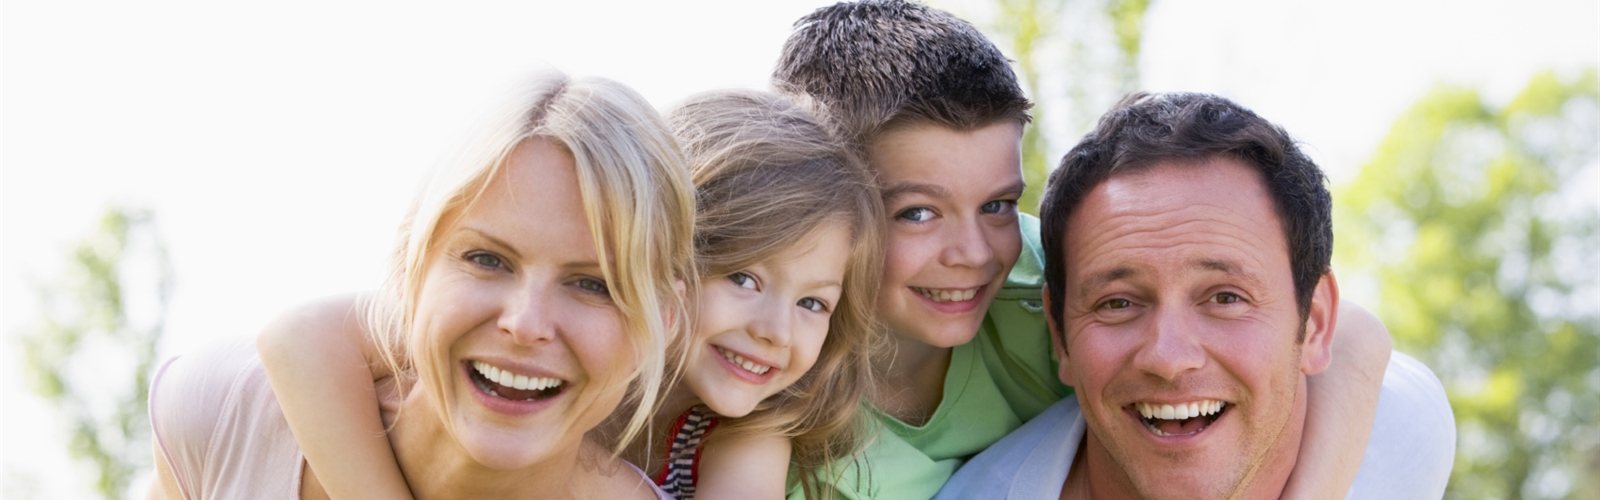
{"points": [[951, 197], [1180, 325]]}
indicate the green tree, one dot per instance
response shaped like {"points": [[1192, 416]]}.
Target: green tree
{"points": [[1472, 219], [91, 357], [1026, 27]]}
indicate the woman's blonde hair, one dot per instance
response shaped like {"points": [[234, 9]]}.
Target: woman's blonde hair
{"points": [[635, 193], [768, 175]]}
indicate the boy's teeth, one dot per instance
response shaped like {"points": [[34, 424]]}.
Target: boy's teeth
{"points": [[1179, 411], [749, 366], [519, 382], [947, 295]]}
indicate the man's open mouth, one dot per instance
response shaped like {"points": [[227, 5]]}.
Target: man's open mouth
{"points": [[1180, 419], [504, 384]]}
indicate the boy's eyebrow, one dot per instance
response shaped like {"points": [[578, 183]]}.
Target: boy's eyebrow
{"points": [[1014, 189], [897, 190]]}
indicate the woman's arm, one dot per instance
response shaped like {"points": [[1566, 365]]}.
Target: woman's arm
{"points": [[322, 367], [1342, 401], [165, 485], [743, 467]]}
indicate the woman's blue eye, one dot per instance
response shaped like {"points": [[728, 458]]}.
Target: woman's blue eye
{"points": [[743, 280], [999, 206], [813, 305], [485, 259], [915, 214], [594, 285]]}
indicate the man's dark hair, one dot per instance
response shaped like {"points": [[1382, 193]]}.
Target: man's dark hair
{"points": [[876, 64], [1145, 129]]}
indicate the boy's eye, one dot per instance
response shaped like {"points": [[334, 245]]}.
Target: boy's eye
{"points": [[915, 214], [593, 285], [999, 206], [743, 280], [1226, 298], [485, 259], [813, 305]]}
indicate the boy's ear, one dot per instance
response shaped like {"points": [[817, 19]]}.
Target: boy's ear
{"points": [[1316, 348], [1057, 341]]}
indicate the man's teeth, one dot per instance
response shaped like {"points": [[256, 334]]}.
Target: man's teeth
{"points": [[749, 366], [1179, 411], [947, 295], [512, 380]]}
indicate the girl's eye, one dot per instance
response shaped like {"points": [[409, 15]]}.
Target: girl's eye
{"points": [[999, 206], [813, 305], [485, 259], [594, 285], [743, 280], [1226, 298], [915, 214], [1116, 304]]}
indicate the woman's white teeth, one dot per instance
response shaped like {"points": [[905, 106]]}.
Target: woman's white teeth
{"points": [[512, 380], [1179, 411], [749, 366], [947, 295]]}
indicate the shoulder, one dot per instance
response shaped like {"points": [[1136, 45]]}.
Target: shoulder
{"points": [[1031, 462], [1029, 270], [214, 412], [1413, 442], [743, 466]]}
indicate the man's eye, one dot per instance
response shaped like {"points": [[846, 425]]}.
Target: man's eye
{"points": [[999, 206], [743, 280], [485, 259], [594, 285], [915, 214], [1116, 304], [1226, 298], [813, 305]]}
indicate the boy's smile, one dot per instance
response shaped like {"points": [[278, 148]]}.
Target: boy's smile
{"points": [[951, 197]]}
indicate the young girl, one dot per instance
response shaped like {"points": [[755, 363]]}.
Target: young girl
{"points": [[788, 242]]}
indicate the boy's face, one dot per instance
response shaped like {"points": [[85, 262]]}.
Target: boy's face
{"points": [[951, 197]]}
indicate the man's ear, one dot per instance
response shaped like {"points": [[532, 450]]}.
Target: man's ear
{"points": [[1316, 349], [1057, 340]]}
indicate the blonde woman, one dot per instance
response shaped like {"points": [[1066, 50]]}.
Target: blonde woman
{"points": [[552, 250]]}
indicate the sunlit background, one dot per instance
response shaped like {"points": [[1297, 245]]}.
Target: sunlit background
{"points": [[264, 154]]}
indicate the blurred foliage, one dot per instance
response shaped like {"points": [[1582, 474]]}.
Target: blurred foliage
{"points": [[89, 360], [1485, 250], [1026, 27]]}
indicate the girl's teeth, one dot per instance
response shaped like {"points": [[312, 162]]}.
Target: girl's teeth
{"points": [[749, 366], [506, 378]]}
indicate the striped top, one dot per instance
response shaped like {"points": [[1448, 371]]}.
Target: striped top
{"points": [[682, 468]]}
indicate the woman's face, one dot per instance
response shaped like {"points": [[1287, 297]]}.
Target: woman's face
{"points": [[761, 328], [533, 349]]}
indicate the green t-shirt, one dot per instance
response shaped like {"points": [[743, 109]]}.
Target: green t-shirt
{"points": [[1004, 377]]}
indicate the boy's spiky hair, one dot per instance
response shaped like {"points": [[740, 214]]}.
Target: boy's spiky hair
{"points": [[877, 63]]}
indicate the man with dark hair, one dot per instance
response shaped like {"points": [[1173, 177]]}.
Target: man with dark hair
{"points": [[1189, 297]]}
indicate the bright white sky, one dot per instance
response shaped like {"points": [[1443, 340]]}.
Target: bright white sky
{"points": [[278, 143]]}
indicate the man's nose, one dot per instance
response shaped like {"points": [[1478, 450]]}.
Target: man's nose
{"points": [[1171, 344]]}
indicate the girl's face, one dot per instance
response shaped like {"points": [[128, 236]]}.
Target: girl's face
{"points": [[951, 197], [531, 347], [761, 328]]}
